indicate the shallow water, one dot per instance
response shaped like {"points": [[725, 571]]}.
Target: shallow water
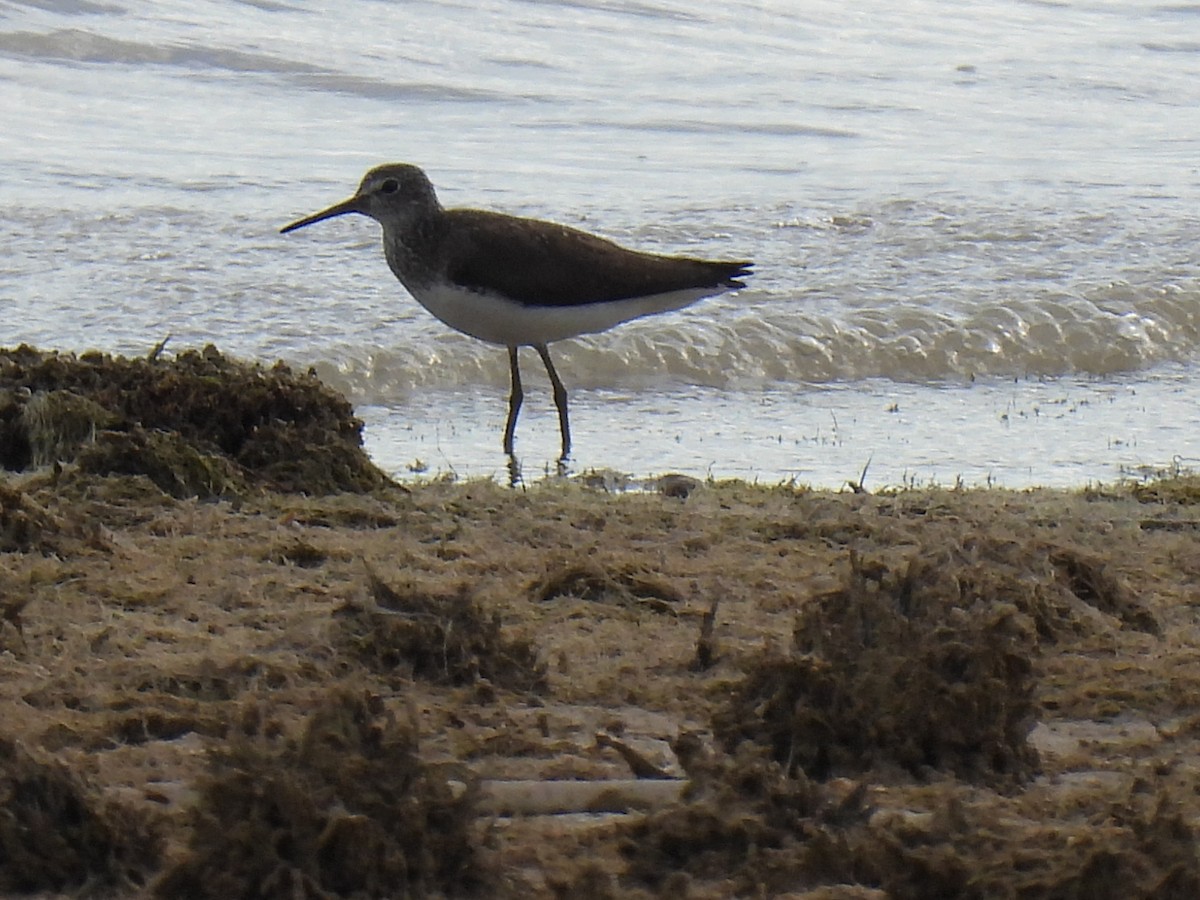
{"points": [[1009, 432], [974, 224]]}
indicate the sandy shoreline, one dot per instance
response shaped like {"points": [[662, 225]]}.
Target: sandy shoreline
{"points": [[958, 693]]}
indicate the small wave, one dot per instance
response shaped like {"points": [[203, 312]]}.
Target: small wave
{"points": [[1173, 47], [73, 7], [781, 343], [378, 89], [76, 45], [639, 10], [772, 129], [266, 5], [1032, 337]]}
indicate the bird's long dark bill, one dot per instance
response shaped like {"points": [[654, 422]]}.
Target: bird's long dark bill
{"points": [[354, 204]]}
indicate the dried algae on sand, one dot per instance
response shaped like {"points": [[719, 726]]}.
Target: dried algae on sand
{"points": [[221, 680]]}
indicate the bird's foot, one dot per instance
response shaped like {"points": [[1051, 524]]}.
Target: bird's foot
{"points": [[514, 471]]}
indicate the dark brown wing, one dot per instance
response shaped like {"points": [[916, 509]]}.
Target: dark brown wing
{"points": [[543, 264]]}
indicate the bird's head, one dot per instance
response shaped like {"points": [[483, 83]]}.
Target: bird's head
{"points": [[396, 194]]}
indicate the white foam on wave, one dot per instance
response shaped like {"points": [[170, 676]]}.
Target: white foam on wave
{"points": [[1038, 337]]}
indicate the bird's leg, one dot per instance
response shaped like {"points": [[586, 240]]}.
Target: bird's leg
{"points": [[514, 401], [560, 400]]}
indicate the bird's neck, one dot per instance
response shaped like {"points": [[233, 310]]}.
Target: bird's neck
{"points": [[412, 248]]}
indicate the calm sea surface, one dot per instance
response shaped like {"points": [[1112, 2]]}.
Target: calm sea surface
{"points": [[975, 224]]}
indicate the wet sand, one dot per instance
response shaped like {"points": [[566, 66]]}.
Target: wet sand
{"points": [[380, 691]]}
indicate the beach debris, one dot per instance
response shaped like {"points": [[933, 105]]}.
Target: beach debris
{"points": [[57, 423], [57, 835], [589, 580], [175, 465], [25, 525], [220, 421], [639, 765], [675, 485], [436, 635], [1093, 582], [559, 798], [745, 821], [926, 665], [706, 644], [348, 810]]}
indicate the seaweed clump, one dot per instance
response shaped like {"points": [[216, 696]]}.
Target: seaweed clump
{"points": [[748, 830], [927, 666], [439, 636], [25, 525], [348, 811], [56, 836], [196, 424], [1141, 849], [749, 826]]}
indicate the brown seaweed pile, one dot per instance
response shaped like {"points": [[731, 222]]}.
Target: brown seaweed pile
{"points": [[749, 830], [748, 824], [926, 666], [198, 424], [348, 811], [439, 636], [57, 835], [25, 525]]}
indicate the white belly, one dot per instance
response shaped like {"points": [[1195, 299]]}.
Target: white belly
{"points": [[496, 320]]}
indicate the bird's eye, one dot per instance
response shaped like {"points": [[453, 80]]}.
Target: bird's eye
{"points": [[389, 187]]}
